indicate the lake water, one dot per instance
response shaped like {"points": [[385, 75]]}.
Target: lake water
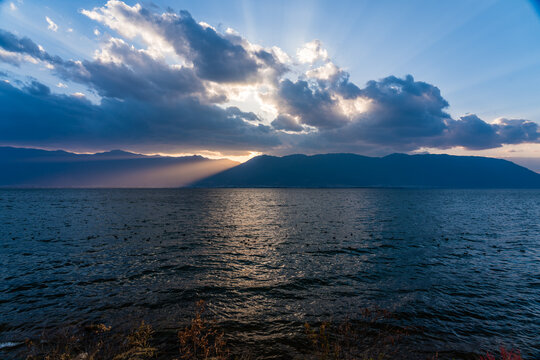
{"points": [[462, 267]]}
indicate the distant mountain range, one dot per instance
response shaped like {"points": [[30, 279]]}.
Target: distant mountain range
{"points": [[21, 167], [396, 170]]}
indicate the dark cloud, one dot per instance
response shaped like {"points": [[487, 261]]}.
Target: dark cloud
{"points": [[146, 104], [405, 115], [287, 122], [314, 101], [474, 133], [344, 87], [11, 42], [24, 45], [33, 116], [471, 132], [214, 57], [402, 112], [138, 75], [272, 62], [236, 112], [38, 89], [315, 107], [517, 131]]}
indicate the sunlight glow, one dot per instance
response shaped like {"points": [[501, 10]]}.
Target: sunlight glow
{"points": [[353, 107], [168, 176]]}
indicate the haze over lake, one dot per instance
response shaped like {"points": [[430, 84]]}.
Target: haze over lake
{"points": [[460, 267]]}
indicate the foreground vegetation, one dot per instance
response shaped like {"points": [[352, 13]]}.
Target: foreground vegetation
{"points": [[203, 339]]}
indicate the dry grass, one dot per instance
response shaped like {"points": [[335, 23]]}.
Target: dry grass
{"points": [[504, 355], [369, 338], [356, 340], [202, 339], [94, 342], [138, 344]]}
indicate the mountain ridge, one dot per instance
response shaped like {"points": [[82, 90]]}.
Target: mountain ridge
{"points": [[31, 168], [394, 170], [27, 167]]}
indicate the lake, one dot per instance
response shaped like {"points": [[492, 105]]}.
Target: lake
{"points": [[461, 268]]}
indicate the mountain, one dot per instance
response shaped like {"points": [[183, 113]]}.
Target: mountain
{"points": [[530, 163], [396, 170], [21, 167]]}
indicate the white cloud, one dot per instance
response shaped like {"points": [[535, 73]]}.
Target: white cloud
{"points": [[311, 52], [172, 37], [208, 26], [61, 85], [16, 59], [79, 95], [70, 30], [129, 23], [281, 55], [325, 72], [96, 32], [12, 7], [52, 26], [231, 31]]}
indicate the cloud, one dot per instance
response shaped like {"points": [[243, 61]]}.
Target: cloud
{"points": [[327, 100], [148, 103], [121, 71], [287, 123], [11, 58], [311, 52], [57, 120], [517, 131], [37, 89], [314, 106], [325, 72], [214, 56], [473, 133], [13, 47], [52, 26], [189, 88], [12, 43], [402, 111], [404, 115]]}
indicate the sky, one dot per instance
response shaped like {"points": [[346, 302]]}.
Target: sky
{"points": [[239, 78]]}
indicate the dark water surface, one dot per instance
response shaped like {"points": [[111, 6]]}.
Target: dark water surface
{"points": [[461, 266]]}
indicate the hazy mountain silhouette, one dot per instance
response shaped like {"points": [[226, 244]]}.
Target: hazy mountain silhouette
{"points": [[396, 170], [21, 167]]}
